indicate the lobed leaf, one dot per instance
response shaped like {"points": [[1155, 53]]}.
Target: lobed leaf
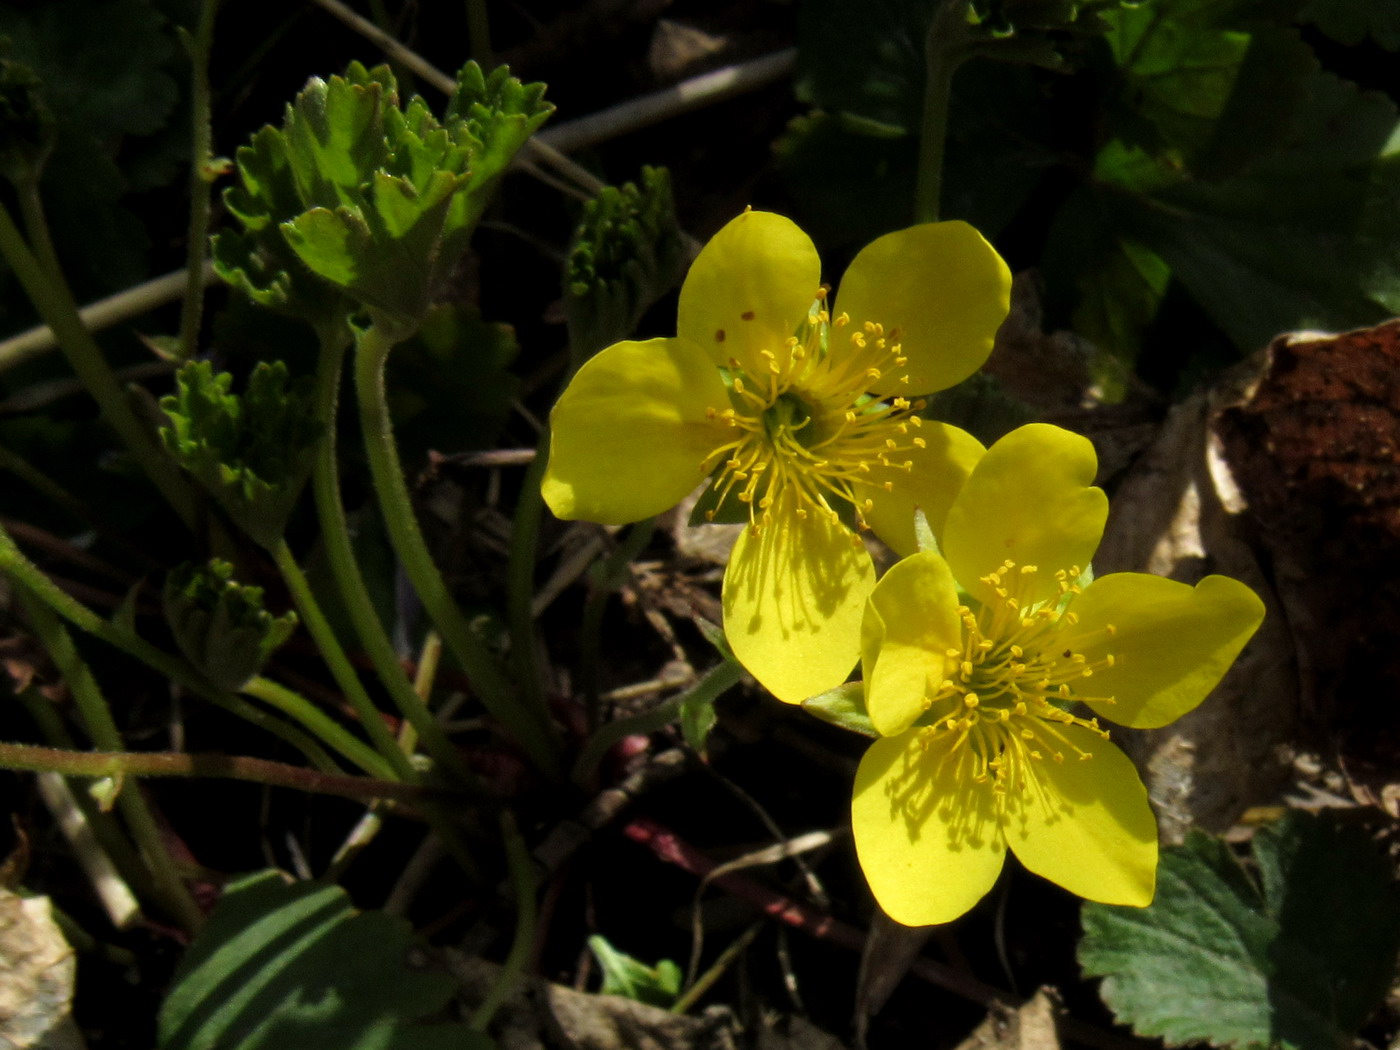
{"points": [[1297, 959]]}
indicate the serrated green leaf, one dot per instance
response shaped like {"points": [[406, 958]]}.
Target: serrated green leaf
{"points": [[220, 625], [376, 200], [1236, 163], [251, 451], [843, 706], [627, 252], [623, 975], [1297, 960], [282, 965]]}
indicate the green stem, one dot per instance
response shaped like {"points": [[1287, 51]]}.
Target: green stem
{"points": [[15, 564], [120, 764], [53, 300], [354, 595], [201, 176], [297, 707], [101, 727], [522, 880], [716, 681], [943, 54], [520, 578], [105, 831], [479, 34], [341, 670], [529, 726]]}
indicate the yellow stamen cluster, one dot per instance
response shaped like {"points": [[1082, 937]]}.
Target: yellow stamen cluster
{"points": [[810, 432], [1003, 701]]}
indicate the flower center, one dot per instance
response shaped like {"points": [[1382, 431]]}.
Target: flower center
{"points": [[810, 435], [1004, 701]]}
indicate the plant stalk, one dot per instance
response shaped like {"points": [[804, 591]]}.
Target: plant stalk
{"points": [[345, 568], [201, 177], [53, 300], [101, 727], [529, 726]]}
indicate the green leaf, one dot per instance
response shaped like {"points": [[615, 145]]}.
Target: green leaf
{"points": [[623, 975], [450, 387], [104, 71], [220, 624], [843, 706], [1233, 164], [1298, 958], [377, 201], [281, 966], [251, 451], [1351, 21], [627, 252]]}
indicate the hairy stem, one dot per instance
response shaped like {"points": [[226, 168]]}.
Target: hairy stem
{"points": [[97, 718], [201, 176], [345, 568], [529, 726]]}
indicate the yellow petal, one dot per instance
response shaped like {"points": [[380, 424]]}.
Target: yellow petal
{"points": [[939, 472], [629, 436], [911, 621], [941, 289], [1086, 824], [749, 289], [793, 597], [1028, 500], [926, 834], [1171, 642]]}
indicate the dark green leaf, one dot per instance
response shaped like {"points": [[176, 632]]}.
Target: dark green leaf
{"points": [[281, 966], [450, 387], [1298, 959], [1350, 21]]}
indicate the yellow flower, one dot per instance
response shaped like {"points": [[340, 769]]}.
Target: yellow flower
{"points": [[804, 419], [985, 745]]}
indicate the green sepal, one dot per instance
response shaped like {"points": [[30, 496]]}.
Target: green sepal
{"points": [[627, 252], [251, 451], [844, 707], [623, 975], [220, 624], [697, 719]]}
